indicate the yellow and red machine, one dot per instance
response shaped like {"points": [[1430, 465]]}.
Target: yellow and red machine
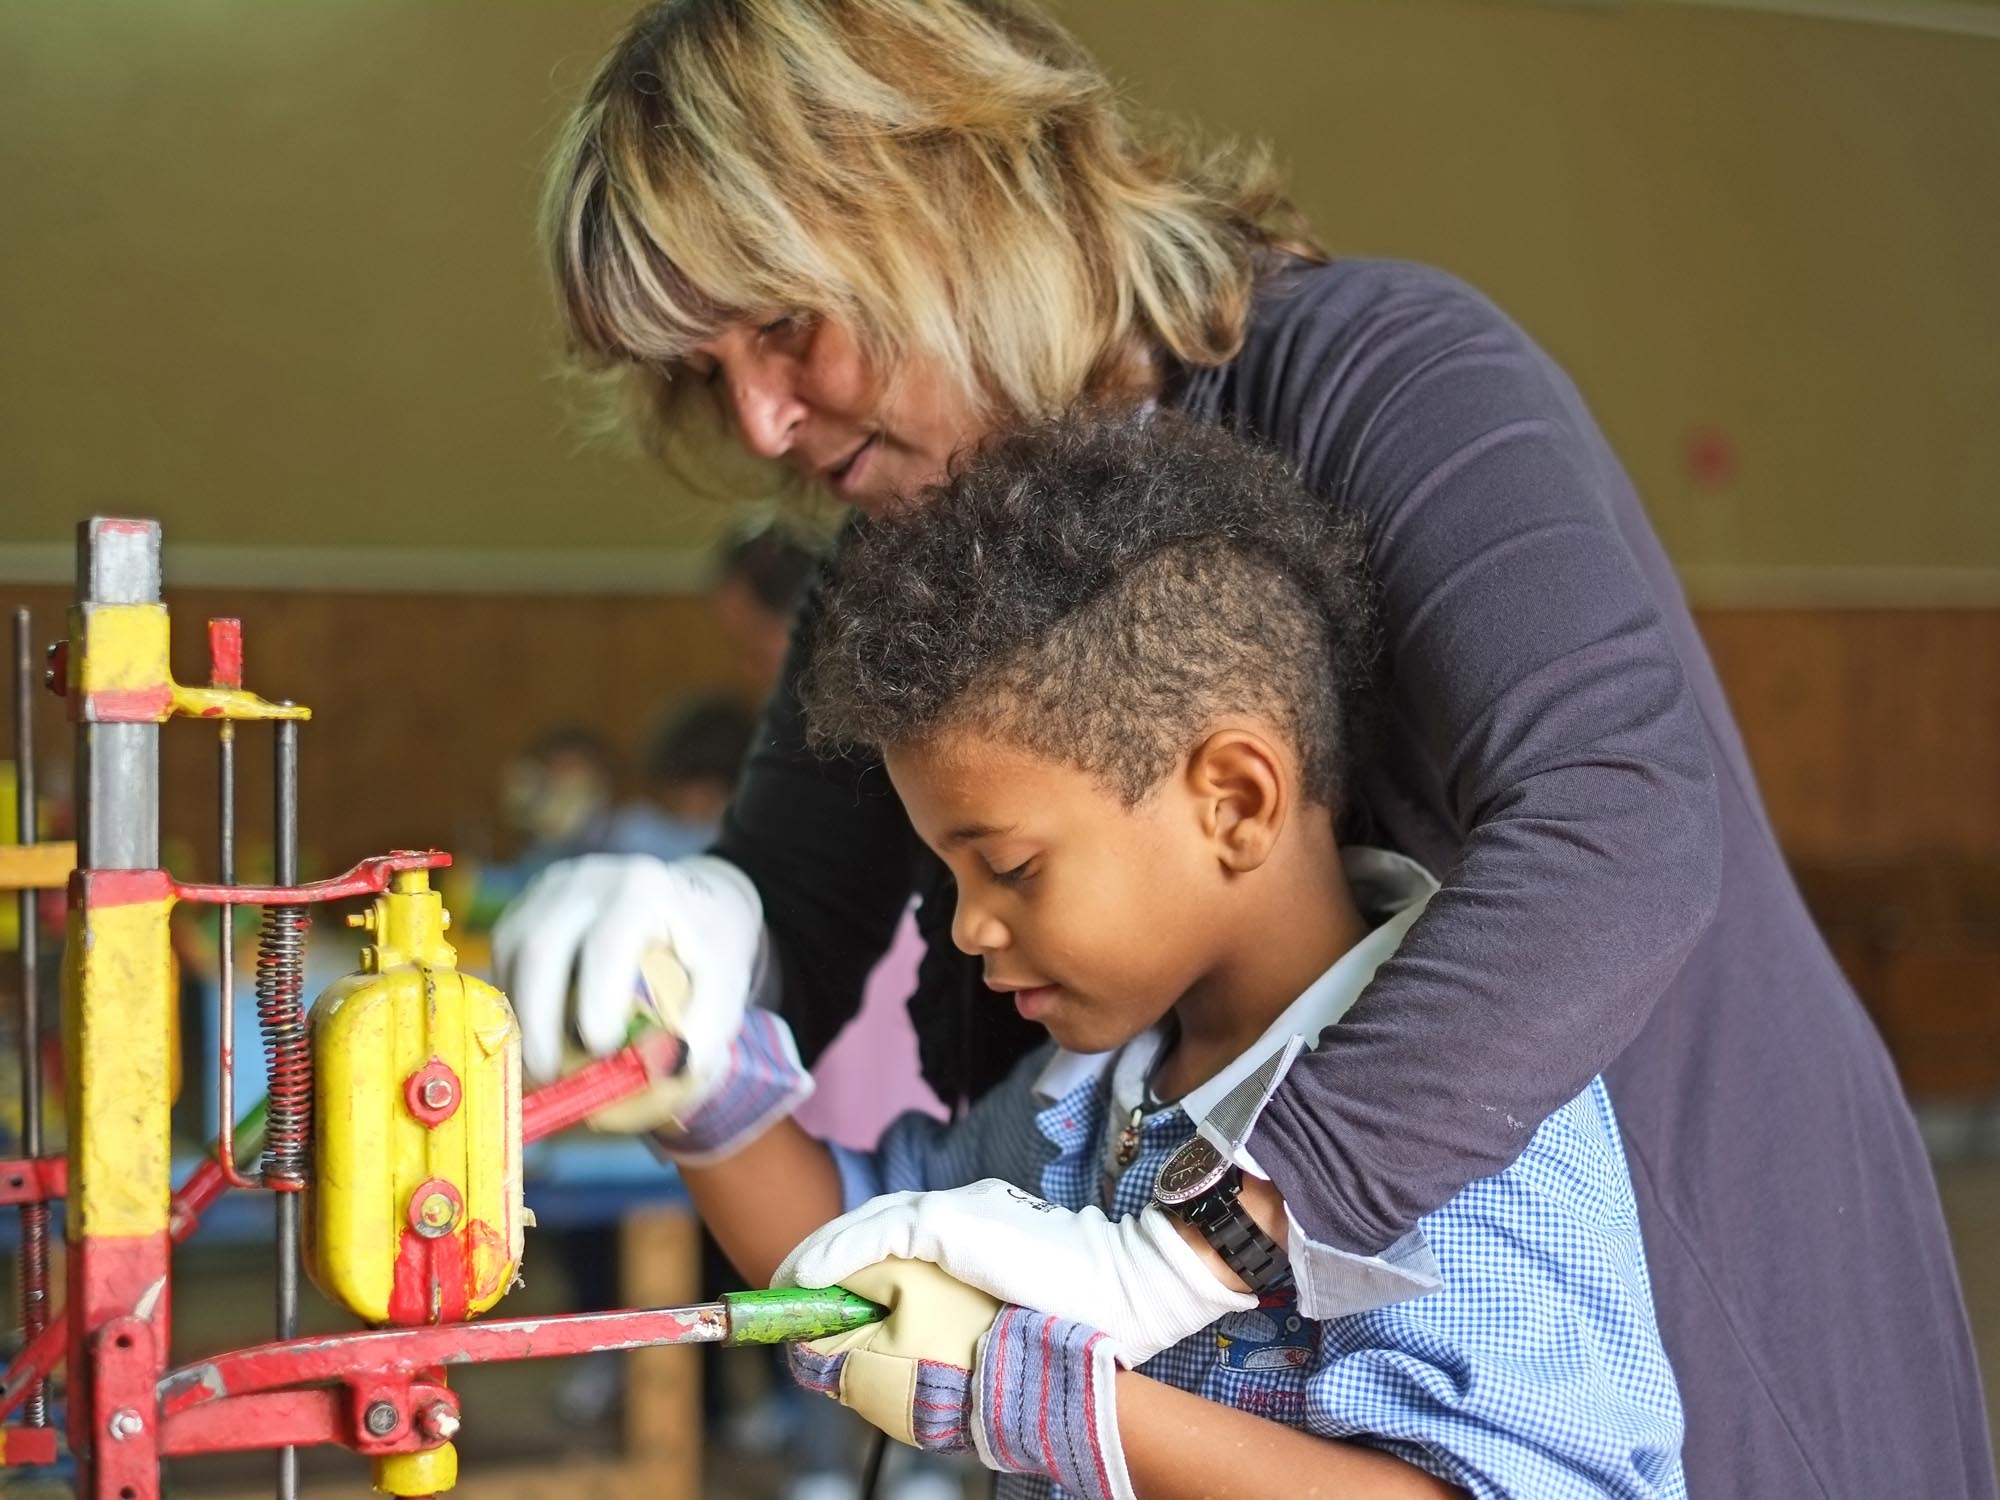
{"points": [[392, 1133]]}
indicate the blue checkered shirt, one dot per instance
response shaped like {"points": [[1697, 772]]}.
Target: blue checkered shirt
{"points": [[1536, 1371]]}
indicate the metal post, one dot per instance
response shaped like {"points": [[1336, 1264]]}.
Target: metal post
{"points": [[117, 1022], [285, 838], [118, 765], [34, 1216]]}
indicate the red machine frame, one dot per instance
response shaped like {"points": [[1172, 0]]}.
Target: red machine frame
{"points": [[374, 1392]]}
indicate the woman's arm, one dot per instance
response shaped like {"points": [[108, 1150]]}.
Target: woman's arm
{"points": [[826, 842], [1542, 739], [1179, 1446]]}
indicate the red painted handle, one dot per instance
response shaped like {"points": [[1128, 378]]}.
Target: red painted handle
{"points": [[369, 878], [555, 1107]]}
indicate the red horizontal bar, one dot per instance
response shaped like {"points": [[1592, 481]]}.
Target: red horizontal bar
{"points": [[271, 1419], [369, 878], [390, 1352], [34, 1179]]}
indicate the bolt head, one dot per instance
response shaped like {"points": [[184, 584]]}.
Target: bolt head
{"points": [[438, 1420], [380, 1419], [125, 1423], [437, 1092], [437, 1212]]}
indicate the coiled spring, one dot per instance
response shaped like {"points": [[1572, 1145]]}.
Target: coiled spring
{"points": [[281, 975], [35, 1297]]}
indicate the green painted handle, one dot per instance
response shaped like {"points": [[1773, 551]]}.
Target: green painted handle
{"points": [[787, 1315]]}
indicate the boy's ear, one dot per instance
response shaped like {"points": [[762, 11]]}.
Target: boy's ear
{"points": [[1242, 793]]}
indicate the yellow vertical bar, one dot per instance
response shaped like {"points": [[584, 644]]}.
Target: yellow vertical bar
{"points": [[117, 1011]]}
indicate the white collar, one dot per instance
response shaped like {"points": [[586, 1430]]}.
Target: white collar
{"points": [[1382, 882]]}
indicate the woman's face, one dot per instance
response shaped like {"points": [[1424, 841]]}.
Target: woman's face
{"points": [[800, 390]]}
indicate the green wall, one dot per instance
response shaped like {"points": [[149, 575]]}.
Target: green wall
{"points": [[267, 271]]}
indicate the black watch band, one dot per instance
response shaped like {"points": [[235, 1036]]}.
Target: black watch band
{"points": [[1244, 1248], [1201, 1187]]}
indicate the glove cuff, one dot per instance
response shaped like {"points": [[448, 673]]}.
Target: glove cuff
{"points": [[761, 1082], [1044, 1402]]}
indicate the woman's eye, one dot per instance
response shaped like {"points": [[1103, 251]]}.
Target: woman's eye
{"points": [[782, 326], [1014, 876]]}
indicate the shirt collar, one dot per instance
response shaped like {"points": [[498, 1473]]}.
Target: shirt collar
{"points": [[1386, 885]]}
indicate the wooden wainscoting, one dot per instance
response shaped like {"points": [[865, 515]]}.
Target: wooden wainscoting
{"points": [[1875, 733], [1876, 738]]}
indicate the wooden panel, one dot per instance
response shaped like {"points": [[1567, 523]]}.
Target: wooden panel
{"points": [[418, 703], [1875, 733]]}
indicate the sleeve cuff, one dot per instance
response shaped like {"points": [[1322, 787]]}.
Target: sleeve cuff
{"points": [[1231, 1119], [1338, 1283], [1332, 1283]]}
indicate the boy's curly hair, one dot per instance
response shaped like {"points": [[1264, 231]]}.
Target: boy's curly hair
{"points": [[1101, 591]]}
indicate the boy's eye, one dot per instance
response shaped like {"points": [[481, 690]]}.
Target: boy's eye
{"points": [[1014, 876]]}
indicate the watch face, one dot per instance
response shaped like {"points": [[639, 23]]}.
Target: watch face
{"points": [[1189, 1172]]}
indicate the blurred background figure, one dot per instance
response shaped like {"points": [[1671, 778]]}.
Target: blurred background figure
{"points": [[762, 580], [688, 770]]}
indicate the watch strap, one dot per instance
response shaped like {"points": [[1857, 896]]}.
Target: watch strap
{"points": [[1235, 1236]]}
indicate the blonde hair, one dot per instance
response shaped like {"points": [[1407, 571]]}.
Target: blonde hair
{"points": [[955, 176]]}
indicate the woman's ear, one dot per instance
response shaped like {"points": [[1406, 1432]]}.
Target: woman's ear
{"points": [[1242, 791]]}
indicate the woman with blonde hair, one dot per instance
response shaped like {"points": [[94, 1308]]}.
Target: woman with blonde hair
{"points": [[854, 237]]}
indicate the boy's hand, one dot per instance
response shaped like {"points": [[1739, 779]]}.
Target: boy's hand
{"points": [[1137, 1279], [951, 1370]]}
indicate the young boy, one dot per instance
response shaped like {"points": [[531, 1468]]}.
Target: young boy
{"points": [[1118, 674]]}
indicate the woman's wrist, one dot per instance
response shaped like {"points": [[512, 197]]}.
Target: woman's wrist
{"points": [[1261, 1201]]}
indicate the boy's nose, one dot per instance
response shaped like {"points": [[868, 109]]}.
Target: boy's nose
{"points": [[975, 931]]}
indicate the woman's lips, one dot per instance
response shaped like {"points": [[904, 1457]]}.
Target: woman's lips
{"points": [[846, 477]]}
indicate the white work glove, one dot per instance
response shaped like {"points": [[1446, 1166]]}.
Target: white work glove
{"points": [[1136, 1280], [597, 916]]}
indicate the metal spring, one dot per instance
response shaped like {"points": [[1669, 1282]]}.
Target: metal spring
{"points": [[35, 1297], [281, 974]]}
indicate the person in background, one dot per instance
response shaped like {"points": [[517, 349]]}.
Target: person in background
{"points": [[758, 590], [689, 767]]}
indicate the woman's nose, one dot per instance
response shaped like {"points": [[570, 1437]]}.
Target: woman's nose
{"points": [[766, 409], [975, 930]]}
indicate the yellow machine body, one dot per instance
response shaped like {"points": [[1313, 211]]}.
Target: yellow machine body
{"points": [[414, 1212]]}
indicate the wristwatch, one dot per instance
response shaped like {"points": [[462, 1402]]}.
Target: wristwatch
{"points": [[1200, 1186]]}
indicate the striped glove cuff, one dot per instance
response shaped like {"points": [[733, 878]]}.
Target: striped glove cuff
{"points": [[1044, 1403], [761, 1082]]}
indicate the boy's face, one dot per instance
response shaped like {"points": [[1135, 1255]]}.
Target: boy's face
{"points": [[1093, 919]]}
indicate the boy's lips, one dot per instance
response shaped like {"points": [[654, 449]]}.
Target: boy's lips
{"points": [[1031, 1000]]}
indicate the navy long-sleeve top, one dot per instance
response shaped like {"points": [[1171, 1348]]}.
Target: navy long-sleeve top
{"points": [[1559, 752]]}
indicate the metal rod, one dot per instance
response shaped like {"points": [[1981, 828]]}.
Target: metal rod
{"points": [[285, 842], [34, 1216], [225, 1052]]}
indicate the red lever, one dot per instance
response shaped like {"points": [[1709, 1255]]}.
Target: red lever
{"points": [[555, 1107], [369, 878]]}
